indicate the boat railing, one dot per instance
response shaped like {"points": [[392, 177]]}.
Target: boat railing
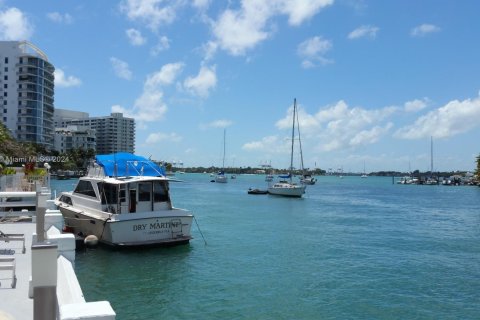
{"points": [[22, 182], [132, 168]]}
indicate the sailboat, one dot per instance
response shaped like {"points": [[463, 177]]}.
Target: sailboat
{"points": [[288, 188], [364, 175], [221, 177]]}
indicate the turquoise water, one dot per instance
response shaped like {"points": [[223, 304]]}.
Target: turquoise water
{"points": [[352, 248]]}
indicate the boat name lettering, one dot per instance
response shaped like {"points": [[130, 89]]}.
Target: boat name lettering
{"points": [[156, 225], [137, 227], [162, 225]]}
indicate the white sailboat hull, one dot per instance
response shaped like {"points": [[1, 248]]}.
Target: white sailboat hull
{"points": [[221, 179], [286, 189]]}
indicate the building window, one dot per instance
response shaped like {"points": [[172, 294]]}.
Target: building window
{"points": [[6, 69], [4, 102], [5, 78], [5, 119], [5, 85], [6, 59]]}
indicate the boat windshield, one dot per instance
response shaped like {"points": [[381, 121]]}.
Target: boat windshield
{"points": [[108, 193], [85, 188]]}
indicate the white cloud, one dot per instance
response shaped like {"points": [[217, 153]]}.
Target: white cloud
{"points": [[210, 48], [313, 50], [201, 4], [153, 13], [162, 45], [454, 118], [14, 25], [121, 68], [307, 121], [300, 10], [364, 32], [135, 37], [237, 31], [165, 76], [149, 106], [202, 83], [424, 29], [338, 126], [416, 105], [60, 18], [222, 123], [65, 81], [270, 143], [157, 137]]}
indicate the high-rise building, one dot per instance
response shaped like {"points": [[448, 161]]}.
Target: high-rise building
{"points": [[62, 116], [26, 92], [114, 133]]}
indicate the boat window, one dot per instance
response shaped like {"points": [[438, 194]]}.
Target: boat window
{"points": [[66, 199], [108, 193], [85, 187], [160, 193], [144, 191]]}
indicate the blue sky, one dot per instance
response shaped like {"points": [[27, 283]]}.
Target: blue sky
{"points": [[374, 80]]}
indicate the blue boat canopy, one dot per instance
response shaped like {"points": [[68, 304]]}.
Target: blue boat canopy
{"points": [[124, 164], [286, 176]]}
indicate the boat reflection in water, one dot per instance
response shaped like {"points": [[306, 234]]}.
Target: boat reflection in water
{"points": [[124, 200]]}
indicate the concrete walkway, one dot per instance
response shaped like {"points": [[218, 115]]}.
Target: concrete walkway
{"points": [[14, 302]]}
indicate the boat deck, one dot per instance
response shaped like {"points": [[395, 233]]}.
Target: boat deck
{"points": [[12, 298]]}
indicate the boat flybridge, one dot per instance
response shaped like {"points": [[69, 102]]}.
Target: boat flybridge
{"points": [[124, 200]]}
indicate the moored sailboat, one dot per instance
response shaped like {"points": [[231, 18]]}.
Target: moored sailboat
{"points": [[287, 187], [221, 177]]}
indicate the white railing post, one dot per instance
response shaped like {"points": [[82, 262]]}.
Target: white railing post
{"points": [[44, 281]]}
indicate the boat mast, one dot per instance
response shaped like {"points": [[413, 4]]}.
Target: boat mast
{"points": [[431, 156], [223, 162], [293, 136], [300, 144]]}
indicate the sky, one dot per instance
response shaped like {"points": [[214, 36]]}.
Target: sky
{"points": [[375, 81]]}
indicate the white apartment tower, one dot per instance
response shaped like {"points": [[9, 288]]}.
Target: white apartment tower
{"points": [[114, 133], [26, 92]]}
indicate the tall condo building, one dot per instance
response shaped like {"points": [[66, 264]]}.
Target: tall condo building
{"points": [[114, 133], [26, 92]]}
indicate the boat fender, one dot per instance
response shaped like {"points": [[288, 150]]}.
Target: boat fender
{"points": [[91, 241]]}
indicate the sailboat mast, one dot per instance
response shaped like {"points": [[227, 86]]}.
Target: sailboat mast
{"points": [[293, 136], [300, 144], [431, 155], [223, 162]]}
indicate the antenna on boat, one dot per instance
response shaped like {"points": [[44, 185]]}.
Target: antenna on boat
{"points": [[115, 166]]}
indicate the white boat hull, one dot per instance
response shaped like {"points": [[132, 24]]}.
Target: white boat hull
{"points": [[168, 227], [221, 179], [286, 190]]}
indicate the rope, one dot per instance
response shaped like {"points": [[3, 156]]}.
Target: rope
{"points": [[198, 227]]}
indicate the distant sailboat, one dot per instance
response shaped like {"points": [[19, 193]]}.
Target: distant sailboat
{"points": [[287, 188], [364, 175], [221, 177]]}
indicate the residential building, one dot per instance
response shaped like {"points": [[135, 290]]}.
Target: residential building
{"points": [[74, 137], [114, 133], [27, 92], [62, 116]]}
